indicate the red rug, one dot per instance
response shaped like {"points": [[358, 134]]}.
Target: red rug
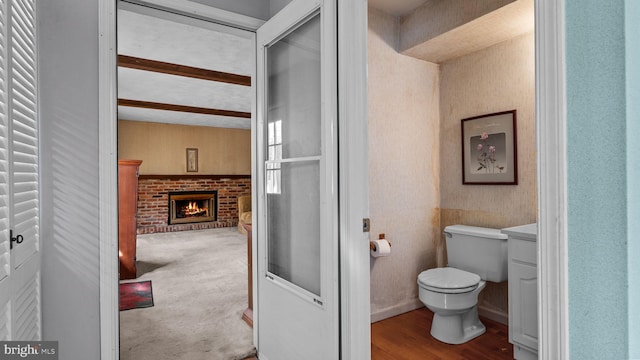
{"points": [[136, 295]]}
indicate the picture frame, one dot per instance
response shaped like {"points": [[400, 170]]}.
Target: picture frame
{"points": [[192, 160], [489, 149]]}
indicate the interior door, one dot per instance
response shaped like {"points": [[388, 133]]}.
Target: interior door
{"points": [[20, 311], [298, 298]]}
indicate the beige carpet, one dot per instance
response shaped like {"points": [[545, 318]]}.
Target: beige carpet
{"points": [[199, 281]]}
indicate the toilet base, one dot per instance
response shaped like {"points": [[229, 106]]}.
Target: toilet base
{"points": [[457, 328]]}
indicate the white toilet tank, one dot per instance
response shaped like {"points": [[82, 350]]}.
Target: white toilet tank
{"points": [[479, 250]]}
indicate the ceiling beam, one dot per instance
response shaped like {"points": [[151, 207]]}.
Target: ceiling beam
{"points": [[182, 70], [182, 108]]}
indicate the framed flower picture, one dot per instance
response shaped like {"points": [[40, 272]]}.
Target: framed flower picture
{"points": [[489, 149]]}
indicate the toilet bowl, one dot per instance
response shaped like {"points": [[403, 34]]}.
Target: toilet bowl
{"points": [[452, 295], [475, 255]]}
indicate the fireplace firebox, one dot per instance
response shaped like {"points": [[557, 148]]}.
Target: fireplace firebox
{"points": [[192, 207]]}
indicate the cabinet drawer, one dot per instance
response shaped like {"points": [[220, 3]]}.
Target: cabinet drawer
{"points": [[523, 250]]}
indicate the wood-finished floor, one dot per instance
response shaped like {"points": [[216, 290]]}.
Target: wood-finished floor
{"points": [[407, 337]]}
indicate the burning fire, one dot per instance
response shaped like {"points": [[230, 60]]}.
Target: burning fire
{"points": [[193, 209]]}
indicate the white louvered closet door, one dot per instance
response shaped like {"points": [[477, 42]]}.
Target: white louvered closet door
{"points": [[20, 314]]}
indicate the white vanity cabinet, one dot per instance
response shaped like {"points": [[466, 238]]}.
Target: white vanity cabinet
{"points": [[523, 291]]}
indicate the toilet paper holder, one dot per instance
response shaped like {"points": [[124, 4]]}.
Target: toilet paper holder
{"points": [[372, 245]]}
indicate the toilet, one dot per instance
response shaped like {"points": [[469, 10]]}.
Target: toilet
{"points": [[475, 255]]}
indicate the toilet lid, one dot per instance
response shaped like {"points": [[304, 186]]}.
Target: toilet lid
{"points": [[448, 280]]}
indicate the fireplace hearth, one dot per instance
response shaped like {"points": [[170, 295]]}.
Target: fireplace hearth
{"points": [[192, 207]]}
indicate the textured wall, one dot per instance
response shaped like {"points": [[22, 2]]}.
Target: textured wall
{"points": [[403, 167], [632, 52], [162, 148], [596, 171], [496, 79]]}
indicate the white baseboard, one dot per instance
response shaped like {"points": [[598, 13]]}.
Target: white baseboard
{"points": [[493, 314], [486, 312], [396, 310]]}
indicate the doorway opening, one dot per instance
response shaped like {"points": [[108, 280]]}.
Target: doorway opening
{"points": [[464, 73], [184, 114]]}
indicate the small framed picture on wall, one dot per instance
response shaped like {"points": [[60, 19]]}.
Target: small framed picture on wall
{"points": [[489, 149], [192, 160]]}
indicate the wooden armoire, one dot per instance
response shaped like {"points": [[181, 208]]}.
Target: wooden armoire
{"points": [[127, 216]]}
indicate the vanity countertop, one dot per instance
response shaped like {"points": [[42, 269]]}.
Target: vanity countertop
{"points": [[527, 232]]}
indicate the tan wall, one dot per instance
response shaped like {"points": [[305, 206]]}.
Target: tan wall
{"points": [[162, 148], [496, 79], [403, 167]]}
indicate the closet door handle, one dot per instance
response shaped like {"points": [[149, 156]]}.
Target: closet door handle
{"points": [[18, 239]]}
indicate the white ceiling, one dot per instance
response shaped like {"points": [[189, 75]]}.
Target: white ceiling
{"points": [[194, 44], [169, 38], [396, 7], [161, 36]]}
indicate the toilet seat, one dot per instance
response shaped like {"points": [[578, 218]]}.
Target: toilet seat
{"points": [[448, 280]]}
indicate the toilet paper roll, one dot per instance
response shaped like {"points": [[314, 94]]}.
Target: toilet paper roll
{"points": [[382, 248]]}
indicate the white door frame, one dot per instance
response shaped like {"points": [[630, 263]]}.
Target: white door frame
{"points": [[108, 150], [553, 293], [353, 140], [108, 180], [551, 144]]}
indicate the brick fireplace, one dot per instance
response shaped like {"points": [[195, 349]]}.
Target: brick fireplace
{"points": [[187, 207], [216, 198]]}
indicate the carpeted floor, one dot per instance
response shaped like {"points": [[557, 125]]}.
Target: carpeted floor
{"points": [[200, 291]]}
